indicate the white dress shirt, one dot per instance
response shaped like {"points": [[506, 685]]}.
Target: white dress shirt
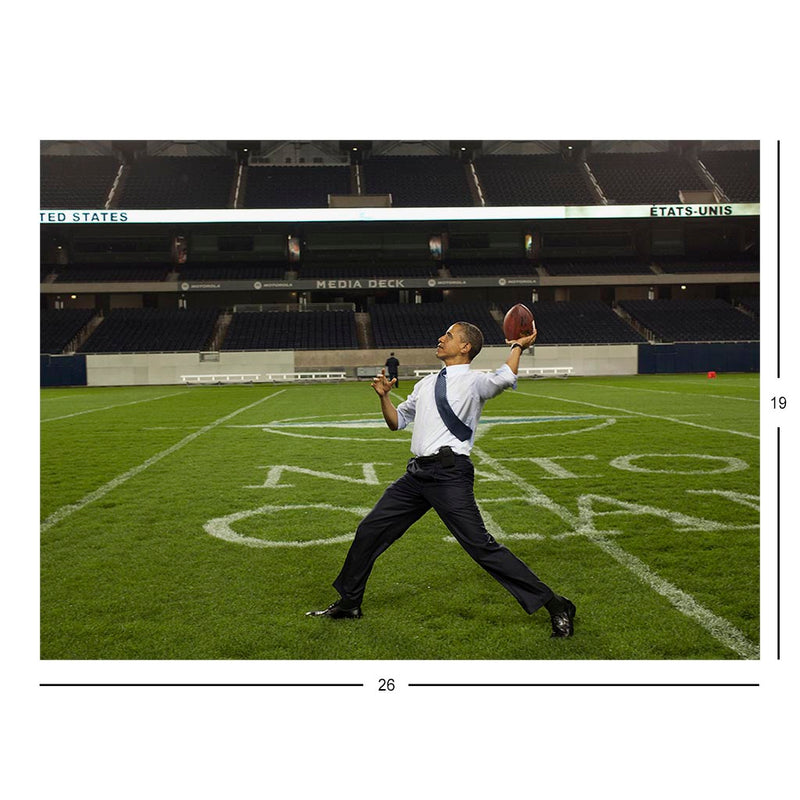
{"points": [[467, 392]]}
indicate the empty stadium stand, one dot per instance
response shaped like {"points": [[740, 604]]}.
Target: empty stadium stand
{"points": [[178, 182], [530, 180], [58, 328], [595, 266], [736, 171], [233, 271], [294, 187], [146, 330], [292, 330], [91, 273], [403, 325], [581, 322], [76, 181], [644, 178], [494, 267], [693, 320], [418, 180], [736, 263]]}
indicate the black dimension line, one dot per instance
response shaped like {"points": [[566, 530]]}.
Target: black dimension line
{"points": [[779, 261], [778, 511], [548, 685], [190, 685]]}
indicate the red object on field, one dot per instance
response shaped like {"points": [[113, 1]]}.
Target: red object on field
{"points": [[518, 322], [712, 374]]}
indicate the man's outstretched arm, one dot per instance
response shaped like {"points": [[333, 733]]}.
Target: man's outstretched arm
{"points": [[382, 387]]}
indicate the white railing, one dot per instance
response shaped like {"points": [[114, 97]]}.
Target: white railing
{"points": [[269, 377]]}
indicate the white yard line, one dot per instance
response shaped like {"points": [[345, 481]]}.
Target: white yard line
{"points": [[641, 414], [118, 405], [65, 511], [718, 627], [682, 394]]}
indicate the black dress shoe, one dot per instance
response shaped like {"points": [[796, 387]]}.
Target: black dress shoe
{"points": [[335, 611], [562, 621]]}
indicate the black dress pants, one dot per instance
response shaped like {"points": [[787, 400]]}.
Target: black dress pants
{"points": [[449, 491]]}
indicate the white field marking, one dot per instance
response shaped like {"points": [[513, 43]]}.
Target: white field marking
{"points": [[274, 474], [604, 424], [682, 394], [221, 526], [102, 491], [732, 464], [117, 405], [494, 528], [750, 500], [716, 626], [642, 414]]}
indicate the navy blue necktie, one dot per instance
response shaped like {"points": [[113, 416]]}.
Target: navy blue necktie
{"points": [[461, 431]]}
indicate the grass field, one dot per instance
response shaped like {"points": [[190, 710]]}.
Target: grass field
{"points": [[203, 522]]}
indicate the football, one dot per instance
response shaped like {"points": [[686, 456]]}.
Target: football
{"points": [[518, 322]]}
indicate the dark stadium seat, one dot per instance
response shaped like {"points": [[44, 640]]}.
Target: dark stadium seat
{"points": [[294, 187], [492, 267], [143, 330], [531, 180], [596, 266], [119, 273], [736, 263], [736, 171], [421, 325], [178, 182], [76, 181], [644, 178], [693, 320], [58, 327], [292, 330], [581, 322], [418, 180], [233, 271]]}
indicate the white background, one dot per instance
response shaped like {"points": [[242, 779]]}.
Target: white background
{"points": [[404, 71]]}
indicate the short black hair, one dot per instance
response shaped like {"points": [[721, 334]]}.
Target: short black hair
{"points": [[472, 334]]}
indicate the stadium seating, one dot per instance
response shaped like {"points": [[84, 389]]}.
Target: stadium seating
{"points": [[751, 304], [143, 330], [233, 271], [736, 171], [294, 187], [643, 178], [735, 263], [693, 320], [463, 269], [59, 327], [178, 182], [104, 273], [76, 181], [292, 330], [594, 266], [421, 325], [530, 180], [581, 322], [418, 180]]}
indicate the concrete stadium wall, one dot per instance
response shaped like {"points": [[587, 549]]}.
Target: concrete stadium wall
{"points": [[142, 369]]}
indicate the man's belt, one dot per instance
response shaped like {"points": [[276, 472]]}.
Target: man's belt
{"points": [[444, 456]]}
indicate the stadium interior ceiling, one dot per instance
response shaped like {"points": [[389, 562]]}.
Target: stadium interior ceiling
{"points": [[278, 152]]}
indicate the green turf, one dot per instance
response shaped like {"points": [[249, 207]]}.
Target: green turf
{"points": [[630, 516]]}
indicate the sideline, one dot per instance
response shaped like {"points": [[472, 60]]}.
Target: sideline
{"points": [[71, 508]]}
